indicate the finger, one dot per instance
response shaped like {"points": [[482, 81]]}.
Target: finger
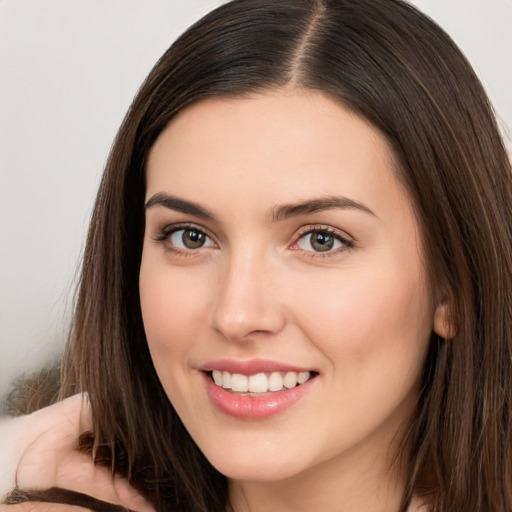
{"points": [[76, 471], [64, 421], [52, 459], [129, 497], [77, 409], [53, 434]]}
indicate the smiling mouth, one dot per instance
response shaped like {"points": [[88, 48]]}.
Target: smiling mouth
{"points": [[259, 383]]}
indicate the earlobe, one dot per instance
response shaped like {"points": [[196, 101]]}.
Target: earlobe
{"points": [[443, 325]]}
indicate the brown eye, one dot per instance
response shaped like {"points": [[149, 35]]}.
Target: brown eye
{"points": [[189, 239], [193, 239], [320, 241]]}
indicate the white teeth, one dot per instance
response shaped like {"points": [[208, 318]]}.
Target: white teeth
{"points": [[303, 377], [217, 377], [290, 380], [239, 383], [275, 382], [259, 382], [226, 380]]}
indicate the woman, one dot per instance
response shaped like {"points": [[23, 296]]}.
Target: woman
{"points": [[302, 241]]}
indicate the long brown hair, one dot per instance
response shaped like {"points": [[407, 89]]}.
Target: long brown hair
{"points": [[396, 68]]}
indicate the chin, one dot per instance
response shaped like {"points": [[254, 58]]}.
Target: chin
{"points": [[264, 472], [257, 464]]}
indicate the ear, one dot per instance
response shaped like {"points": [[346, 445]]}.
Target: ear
{"points": [[443, 325]]}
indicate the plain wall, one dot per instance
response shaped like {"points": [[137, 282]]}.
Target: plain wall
{"points": [[68, 71]]}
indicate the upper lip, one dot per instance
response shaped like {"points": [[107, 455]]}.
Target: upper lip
{"points": [[251, 367]]}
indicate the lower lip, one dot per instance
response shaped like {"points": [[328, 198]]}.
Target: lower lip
{"points": [[255, 407]]}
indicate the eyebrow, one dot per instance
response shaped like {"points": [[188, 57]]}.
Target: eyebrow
{"points": [[286, 211], [278, 213], [179, 205]]}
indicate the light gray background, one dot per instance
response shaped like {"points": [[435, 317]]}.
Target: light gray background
{"points": [[68, 71]]}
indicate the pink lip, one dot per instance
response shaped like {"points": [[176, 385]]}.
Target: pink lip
{"points": [[250, 367], [253, 407]]}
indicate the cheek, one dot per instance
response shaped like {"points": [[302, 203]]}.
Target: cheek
{"points": [[373, 322], [172, 305], [373, 328]]}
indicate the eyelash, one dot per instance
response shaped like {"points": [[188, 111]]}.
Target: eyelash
{"points": [[164, 236], [345, 240]]}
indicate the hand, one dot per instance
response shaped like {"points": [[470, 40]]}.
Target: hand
{"points": [[51, 459]]}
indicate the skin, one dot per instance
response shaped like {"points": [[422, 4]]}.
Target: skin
{"points": [[359, 314], [41, 507], [51, 459]]}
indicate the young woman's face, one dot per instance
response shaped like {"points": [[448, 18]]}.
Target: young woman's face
{"points": [[282, 258]]}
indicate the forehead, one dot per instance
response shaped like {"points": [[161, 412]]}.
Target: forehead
{"points": [[272, 148]]}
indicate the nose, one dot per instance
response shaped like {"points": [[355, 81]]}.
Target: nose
{"points": [[247, 305]]}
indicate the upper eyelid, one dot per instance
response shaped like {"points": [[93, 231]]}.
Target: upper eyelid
{"points": [[177, 226], [312, 228], [167, 229]]}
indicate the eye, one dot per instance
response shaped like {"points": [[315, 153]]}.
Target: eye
{"points": [[183, 238], [189, 239], [322, 241]]}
